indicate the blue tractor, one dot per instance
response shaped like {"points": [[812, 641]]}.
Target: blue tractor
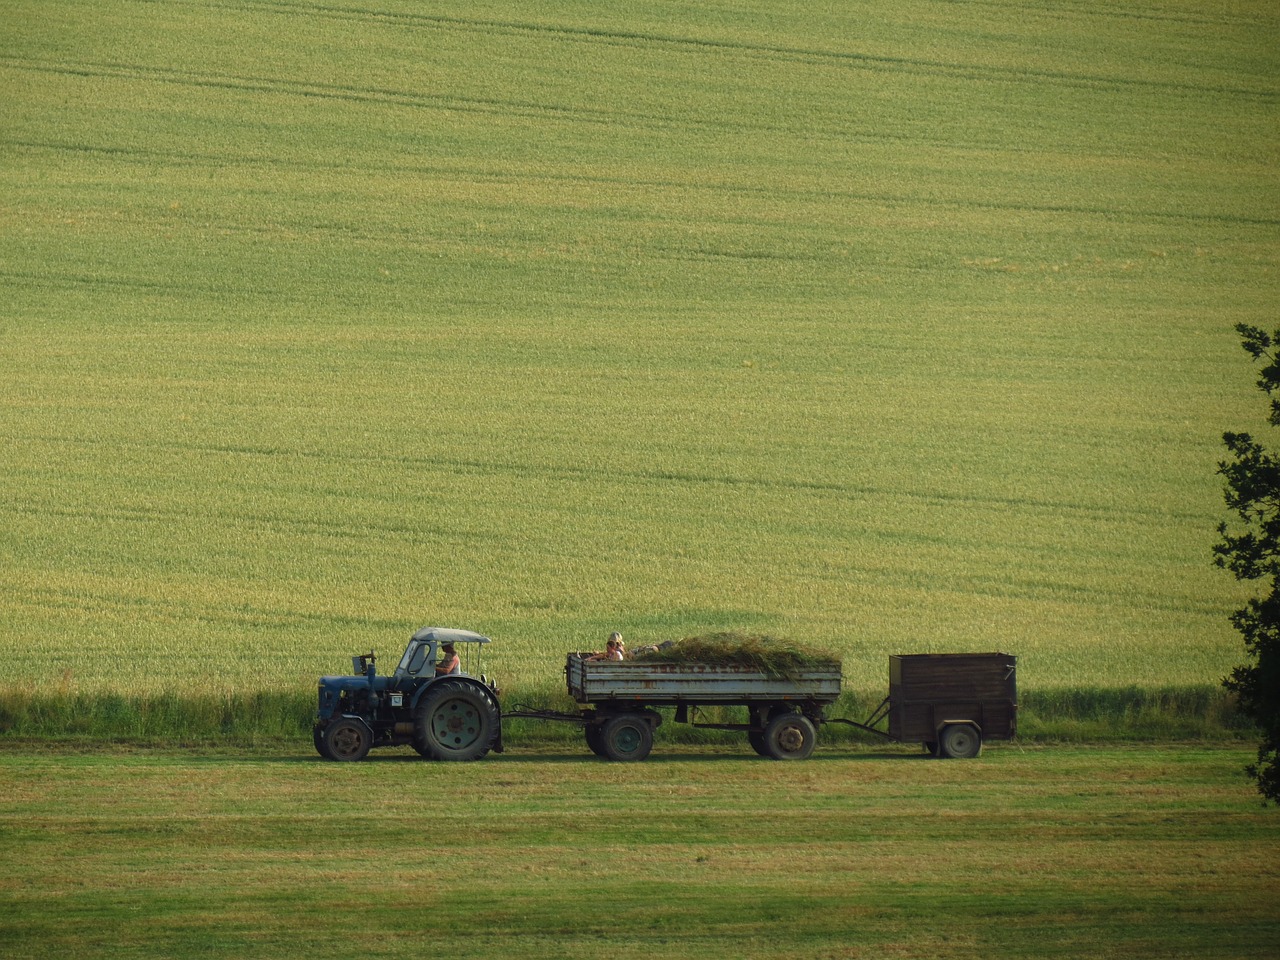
{"points": [[436, 700]]}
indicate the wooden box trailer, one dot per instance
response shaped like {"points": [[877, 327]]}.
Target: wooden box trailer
{"points": [[952, 702]]}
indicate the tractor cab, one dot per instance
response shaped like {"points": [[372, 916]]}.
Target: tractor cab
{"points": [[365, 689], [423, 653]]}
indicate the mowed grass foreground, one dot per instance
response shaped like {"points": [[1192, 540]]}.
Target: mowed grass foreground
{"points": [[890, 327], [1059, 852]]}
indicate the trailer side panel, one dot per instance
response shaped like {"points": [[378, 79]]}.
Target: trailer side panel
{"points": [[671, 684]]}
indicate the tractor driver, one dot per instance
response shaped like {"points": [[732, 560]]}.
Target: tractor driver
{"points": [[449, 663]]}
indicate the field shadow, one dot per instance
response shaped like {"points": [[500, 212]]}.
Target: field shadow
{"points": [[524, 758], [662, 754], [698, 757]]}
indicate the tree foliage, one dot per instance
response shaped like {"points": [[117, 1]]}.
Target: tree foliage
{"points": [[1251, 551]]}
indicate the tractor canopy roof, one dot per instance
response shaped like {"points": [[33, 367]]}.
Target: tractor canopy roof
{"points": [[448, 635]]}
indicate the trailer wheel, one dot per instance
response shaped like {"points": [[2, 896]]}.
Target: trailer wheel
{"points": [[790, 736], [756, 737], [627, 738], [960, 740], [455, 720], [595, 740], [348, 740]]}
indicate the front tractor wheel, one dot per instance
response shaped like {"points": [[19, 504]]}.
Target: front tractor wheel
{"points": [[347, 740], [456, 721], [317, 737], [789, 736]]}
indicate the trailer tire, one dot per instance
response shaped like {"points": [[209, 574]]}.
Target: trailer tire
{"points": [[595, 742], [347, 740], [455, 720], [756, 737], [960, 740], [790, 736], [627, 738]]}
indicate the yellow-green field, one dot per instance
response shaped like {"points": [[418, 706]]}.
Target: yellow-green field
{"points": [[890, 327]]}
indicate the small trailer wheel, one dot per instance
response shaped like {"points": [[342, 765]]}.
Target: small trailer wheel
{"points": [[626, 738], [790, 736], [960, 740]]}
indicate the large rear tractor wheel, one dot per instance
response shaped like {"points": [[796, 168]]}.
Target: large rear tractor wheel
{"points": [[960, 740], [628, 738], [456, 721], [347, 740], [789, 736]]}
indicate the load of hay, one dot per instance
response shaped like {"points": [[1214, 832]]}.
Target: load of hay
{"points": [[768, 655]]}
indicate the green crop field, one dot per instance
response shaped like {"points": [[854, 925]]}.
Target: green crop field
{"points": [[886, 326]]}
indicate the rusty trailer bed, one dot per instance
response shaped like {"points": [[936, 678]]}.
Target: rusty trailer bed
{"points": [[675, 684]]}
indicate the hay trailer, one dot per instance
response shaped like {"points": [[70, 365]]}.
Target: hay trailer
{"points": [[620, 701]]}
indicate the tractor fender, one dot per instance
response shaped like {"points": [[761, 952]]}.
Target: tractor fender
{"points": [[456, 677], [943, 724], [363, 721]]}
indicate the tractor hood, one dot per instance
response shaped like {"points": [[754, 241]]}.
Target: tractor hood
{"points": [[345, 683]]}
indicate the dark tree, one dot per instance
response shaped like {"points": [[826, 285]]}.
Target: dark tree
{"points": [[1252, 552]]}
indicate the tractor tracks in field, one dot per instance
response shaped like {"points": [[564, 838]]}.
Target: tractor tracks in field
{"points": [[613, 114], [814, 55], [679, 119], [345, 535], [102, 596], [358, 529], [478, 174], [463, 466], [99, 70]]}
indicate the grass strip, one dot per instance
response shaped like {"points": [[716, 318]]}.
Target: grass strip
{"points": [[1058, 851]]}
